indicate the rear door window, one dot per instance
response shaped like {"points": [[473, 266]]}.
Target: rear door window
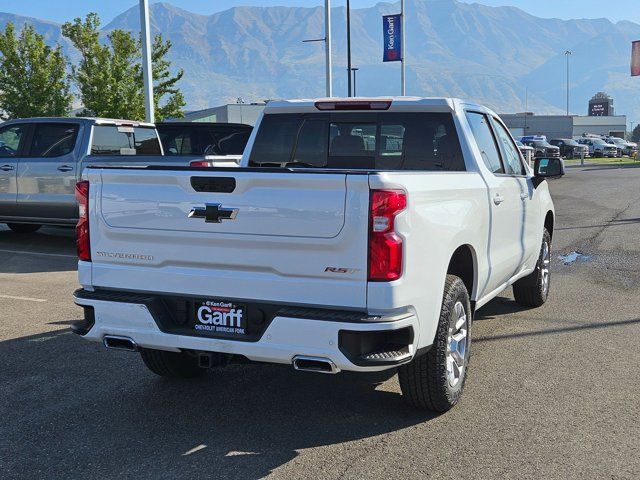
{"points": [[53, 139], [124, 140], [200, 140], [485, 140], [375, 141]]}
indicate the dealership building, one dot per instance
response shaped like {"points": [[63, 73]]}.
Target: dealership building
{"points": [[600, 121], [246, 113]]}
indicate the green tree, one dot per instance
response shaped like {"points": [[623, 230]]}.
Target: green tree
{"points": [[33, 76], [635, 135], [109, 76]]}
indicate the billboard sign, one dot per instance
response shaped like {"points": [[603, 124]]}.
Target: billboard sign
{"points": [[635, 59], [598, 109], [392, 32]]}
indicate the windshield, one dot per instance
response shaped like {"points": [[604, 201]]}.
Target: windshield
{"points": [[542, 143], [571, 143]]}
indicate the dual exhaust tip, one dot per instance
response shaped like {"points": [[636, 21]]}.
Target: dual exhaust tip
{"points": [[300, 362], [314, 364], [120, 343]]}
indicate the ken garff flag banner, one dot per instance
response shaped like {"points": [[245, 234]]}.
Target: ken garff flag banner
{"points": [[392, 28], [635, 59]]}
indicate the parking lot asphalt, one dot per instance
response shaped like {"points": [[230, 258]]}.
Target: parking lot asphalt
{"points": [[552, 393]]}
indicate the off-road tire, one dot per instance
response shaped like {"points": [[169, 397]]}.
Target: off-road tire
{"points": [[24, 227], [424, 381], [171, 364], [530, 290]]}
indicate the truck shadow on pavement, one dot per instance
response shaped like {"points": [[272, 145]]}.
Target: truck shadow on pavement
{"points": [[72, 409], [51, 249]]}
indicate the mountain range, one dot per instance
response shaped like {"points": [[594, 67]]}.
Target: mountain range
{"points": [[491, 55]]}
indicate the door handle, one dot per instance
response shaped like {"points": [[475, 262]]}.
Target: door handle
{"points": [[498, 199], [65, 168], [7, 168], [524, 195]]}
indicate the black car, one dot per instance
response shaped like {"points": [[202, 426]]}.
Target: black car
{"points": [[542, 148], [569, 148], [197, 139]]}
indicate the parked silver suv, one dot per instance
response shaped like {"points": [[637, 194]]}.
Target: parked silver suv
{"points": [[41, 159]]}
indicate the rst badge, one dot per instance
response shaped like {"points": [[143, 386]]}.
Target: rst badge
{"points": [[216, 316]]}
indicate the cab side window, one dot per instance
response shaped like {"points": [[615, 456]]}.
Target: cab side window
{"points": [[53, 140], [10, 138], [485, 140], [510, 153]]}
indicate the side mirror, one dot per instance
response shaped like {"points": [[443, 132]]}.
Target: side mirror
{"points": [[547, 168]]}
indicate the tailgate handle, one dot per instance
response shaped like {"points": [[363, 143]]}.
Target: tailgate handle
{"points": [[213, 184]]}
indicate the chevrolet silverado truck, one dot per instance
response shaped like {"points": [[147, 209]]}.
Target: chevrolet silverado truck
{"points": [[357, 235], [42, 159]]}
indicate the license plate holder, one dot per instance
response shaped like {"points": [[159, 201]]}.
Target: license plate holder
{"points": [[220, 317]]}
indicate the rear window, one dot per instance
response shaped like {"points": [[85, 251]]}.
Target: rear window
{"points": [[121, 140], [376, 141], [198, 141]]}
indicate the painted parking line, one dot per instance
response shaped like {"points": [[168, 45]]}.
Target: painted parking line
{"points": [[63, 255], [26, 299]]}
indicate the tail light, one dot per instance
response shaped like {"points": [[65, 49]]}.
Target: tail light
{"points": [[82, 228], [385, 245], [200, 163]]}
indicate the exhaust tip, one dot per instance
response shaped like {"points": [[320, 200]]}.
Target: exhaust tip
{"points": [[314, 364], [120, 343]]}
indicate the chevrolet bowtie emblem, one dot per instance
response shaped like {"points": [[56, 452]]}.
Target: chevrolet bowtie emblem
{"points": [[213, 213]]}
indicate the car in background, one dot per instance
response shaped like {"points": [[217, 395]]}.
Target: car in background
{"points": [[42, 159], [624, 147], [205, 143], [542, 148], [569, 148], [526, 151], [598, 147]]}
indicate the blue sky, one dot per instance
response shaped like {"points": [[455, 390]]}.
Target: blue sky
{"points": [[51, 9]]}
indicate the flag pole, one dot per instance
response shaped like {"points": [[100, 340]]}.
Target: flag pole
{"points": [[404, 46]]}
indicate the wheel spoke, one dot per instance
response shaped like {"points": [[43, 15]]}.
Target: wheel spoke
{"points": [[457, 344]]}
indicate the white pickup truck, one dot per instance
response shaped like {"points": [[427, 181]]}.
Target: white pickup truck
{"points": [[356, 235]]}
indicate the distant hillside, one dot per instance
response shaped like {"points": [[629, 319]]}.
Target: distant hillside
{"points": [[483, 53]]}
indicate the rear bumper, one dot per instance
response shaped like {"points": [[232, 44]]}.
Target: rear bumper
{"points": [[351, 345]]}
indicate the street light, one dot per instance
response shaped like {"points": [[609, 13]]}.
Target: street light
{"points": [[354, 70], [349, 47], [567, 54], [147, 72], [327, 41]]}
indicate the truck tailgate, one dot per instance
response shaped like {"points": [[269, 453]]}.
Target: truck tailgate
{"points": [[291, 237]]}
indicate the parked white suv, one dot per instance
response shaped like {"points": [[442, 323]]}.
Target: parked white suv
{"points": [[357, 235]]}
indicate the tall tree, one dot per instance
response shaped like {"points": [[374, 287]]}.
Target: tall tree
{"points": [[635, 135], [33, 76], [109, 76]]}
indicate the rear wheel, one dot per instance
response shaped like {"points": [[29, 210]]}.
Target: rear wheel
{"points": [[533, 290], [24, 227], [171, 364], [435, 380]]}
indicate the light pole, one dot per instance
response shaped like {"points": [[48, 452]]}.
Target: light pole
{"points": [[354, 70], [404, 50], [147, 72], [349, 48], [567, 54], [327, 44]]}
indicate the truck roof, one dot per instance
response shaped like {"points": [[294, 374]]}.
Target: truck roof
{"points": [[397, 104], [89, 120]]}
